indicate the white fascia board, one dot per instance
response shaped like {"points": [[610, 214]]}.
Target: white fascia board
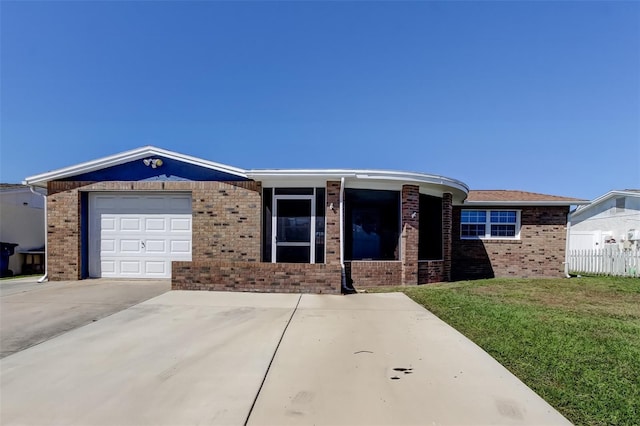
{"points": [[521, 203], [379, 175], [603, 198], [125, 157]]}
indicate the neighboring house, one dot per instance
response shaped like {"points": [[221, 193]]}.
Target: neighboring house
{"points": [[612, 220], [152, 213], [22, 223]]}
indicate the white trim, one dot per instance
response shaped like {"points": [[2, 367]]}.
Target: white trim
{"points": [[269, 175], [611, 194], [125, 157], [274, 226], [377, 185], [480, 204], [291, 183]]}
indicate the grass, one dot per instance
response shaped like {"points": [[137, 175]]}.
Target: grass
{"points": [[576, 342]]}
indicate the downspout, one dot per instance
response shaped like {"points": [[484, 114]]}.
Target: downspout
{"points": [[46, 251], [566, 249], [343, 275]]}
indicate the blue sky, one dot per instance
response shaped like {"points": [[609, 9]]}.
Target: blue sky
{"points": [[536, 96]]}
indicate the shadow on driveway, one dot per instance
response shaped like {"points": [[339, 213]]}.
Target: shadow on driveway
{"points": [[31, 313]]}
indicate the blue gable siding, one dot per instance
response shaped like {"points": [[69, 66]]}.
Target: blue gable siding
{"points": [[171, 170]]}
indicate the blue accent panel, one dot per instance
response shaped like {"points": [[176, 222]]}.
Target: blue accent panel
{"points": [[171, 170], [84, 235]]}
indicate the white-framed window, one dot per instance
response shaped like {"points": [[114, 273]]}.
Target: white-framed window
{"points": [[490, 224]]}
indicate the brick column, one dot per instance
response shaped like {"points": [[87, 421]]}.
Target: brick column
{"points": [[332, 224], [447, 224], [63, 231], [410, 234]]}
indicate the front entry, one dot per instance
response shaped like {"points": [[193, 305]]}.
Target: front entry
{"points": [[294, 223]]}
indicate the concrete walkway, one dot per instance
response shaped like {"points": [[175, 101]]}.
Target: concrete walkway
{"points": [[187, 358]]}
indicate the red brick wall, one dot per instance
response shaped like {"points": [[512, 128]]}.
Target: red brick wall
{"points": [[431, 271], [540, 251], [259, 277], [410, 234], [366, 273]]}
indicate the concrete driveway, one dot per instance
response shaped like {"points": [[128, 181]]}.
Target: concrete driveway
{"points": [[187, 358], [32, 312]]}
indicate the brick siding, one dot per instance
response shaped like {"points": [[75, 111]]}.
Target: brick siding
{"points": [[332, 223], [431, 271], [540, 251], [410, 234], [258, 277], [365, 273], [226, 220]]}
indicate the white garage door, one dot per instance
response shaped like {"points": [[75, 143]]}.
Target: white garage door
{"points": [[138, 235]]}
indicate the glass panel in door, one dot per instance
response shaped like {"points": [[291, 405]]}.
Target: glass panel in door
{"points": [[293, 230]]}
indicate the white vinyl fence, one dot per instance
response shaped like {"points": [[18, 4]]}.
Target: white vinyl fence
{"points": [[605, 262]]}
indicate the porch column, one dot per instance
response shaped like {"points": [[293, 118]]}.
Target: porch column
{"points": [[447, 225], [410, 233], [332, 224]]}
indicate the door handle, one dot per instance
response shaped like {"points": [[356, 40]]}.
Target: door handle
{"points": [[143, 245]]}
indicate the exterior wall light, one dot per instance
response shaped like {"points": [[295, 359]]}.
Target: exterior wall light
{"points": [[153, 162]]}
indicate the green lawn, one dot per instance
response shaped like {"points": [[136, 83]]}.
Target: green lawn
{"points": [[576, 342]]}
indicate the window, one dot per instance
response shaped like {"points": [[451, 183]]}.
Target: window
{"points": [[490, 224], [620, 204], [372, 219], [430, 233]]}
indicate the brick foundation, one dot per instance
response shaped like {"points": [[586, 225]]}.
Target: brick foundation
{"points": [[366, 273], [258, 277]]}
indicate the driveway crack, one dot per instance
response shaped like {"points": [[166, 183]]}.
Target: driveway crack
{"points": [[264, 379]]}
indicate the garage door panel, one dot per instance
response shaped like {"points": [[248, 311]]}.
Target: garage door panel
{"points": [[108, 223], [130, 246], [108, 245], [180, 203], [138, 235], [155, 224], [130, 267], [156, 246], [180, 224], [130, 224], [181, 246], [155, 268], [103, 201], [108, 267]]}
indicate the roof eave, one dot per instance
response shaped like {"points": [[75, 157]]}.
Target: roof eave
{"points": [[360, 174], [524, 203], [125, 157]]}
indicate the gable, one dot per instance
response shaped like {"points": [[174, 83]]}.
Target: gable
{"points": [[170, 170], [142, 164]]}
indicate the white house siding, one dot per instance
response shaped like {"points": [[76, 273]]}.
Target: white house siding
{"points": [[591, 227], [21, 222]]}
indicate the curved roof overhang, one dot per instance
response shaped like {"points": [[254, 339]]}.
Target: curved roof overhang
{"points": [[383, 179]]}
